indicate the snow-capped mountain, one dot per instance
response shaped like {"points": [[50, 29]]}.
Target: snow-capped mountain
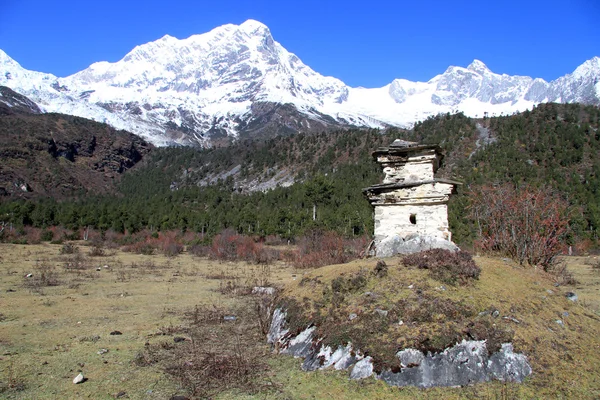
{"points": [[238, 80]]}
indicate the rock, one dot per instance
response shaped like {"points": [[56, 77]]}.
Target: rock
{"points": [[29, 276], [276, 330], [410, 358], [362, 369], [565, 314], [382, 313], [229, 318], [265, 290], [496, 313], [559, 322], [300, 346], [178, 339], [352, 316], [508, 366], [400, 322], [513, 319], [120, 394], [462, 364], [102, 351], [465, 363], [115, 333], [98, 269], [571, 296], [79, 379], [392, 245], [106, 267]]}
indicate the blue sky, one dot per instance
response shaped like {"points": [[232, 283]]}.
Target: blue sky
{"points": [[363, 43]]}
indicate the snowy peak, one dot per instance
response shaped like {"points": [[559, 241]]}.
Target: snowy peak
{"points": [[236, 79], [478, 67], [590, 68]]}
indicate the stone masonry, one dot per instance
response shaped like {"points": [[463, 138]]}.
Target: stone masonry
{"points": [[411, 212]]}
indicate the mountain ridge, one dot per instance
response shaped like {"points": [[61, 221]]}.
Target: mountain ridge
{"points": [[214, 85]]}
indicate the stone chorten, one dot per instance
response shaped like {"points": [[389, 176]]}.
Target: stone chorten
{"points": [[411, 206]]}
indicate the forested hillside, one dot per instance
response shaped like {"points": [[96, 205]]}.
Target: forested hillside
{"points": [[209, 190]]}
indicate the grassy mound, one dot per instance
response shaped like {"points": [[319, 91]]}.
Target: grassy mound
{"points": [[384, 308]]}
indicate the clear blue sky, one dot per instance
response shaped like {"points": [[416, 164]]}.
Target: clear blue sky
{"points": [[363, 43]]}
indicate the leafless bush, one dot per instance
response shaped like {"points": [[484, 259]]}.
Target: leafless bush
{"points": [[562, 275], [220, 355], [97, 251], [43, 275], [172, 249], [76, 262], [230, 246], [527, 224], [318, 248], [199, 250], [444, 265], [69, 248]]}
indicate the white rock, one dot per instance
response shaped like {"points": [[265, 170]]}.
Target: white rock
{"points": [[270, 291], [362, 369], [79, 378]]}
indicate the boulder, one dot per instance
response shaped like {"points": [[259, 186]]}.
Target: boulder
{"points": [[393, 245]]}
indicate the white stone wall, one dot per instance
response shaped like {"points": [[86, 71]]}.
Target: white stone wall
{"points": [[408, 173], [413, 168], [430, 220]]}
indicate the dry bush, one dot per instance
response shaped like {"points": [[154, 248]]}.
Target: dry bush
{"points": [[171, 248], [140, 248], [76, 262], [44, 275], [527, 224], [229, 246], [69, 248], [317, 249], [217, 356], [97, 251], [199, 250], [561, 274], [446, 266]]}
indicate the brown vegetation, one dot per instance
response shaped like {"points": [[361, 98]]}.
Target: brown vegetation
{"points": [[527, 224]]}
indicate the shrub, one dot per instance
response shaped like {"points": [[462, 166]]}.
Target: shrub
{"points": [[69, 248], [46, 236], [318, 248], [446, 266], [527, 224], [381, 269], [43, 275], [230, 246], [199, 250], [97, 251], [171, 248]]}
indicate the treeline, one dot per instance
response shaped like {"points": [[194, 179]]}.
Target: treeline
{"points": [[556, 146], [339, 166]]}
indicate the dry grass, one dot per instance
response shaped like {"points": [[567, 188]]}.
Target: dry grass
{"points": [[563, 358], [47, 335]]}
